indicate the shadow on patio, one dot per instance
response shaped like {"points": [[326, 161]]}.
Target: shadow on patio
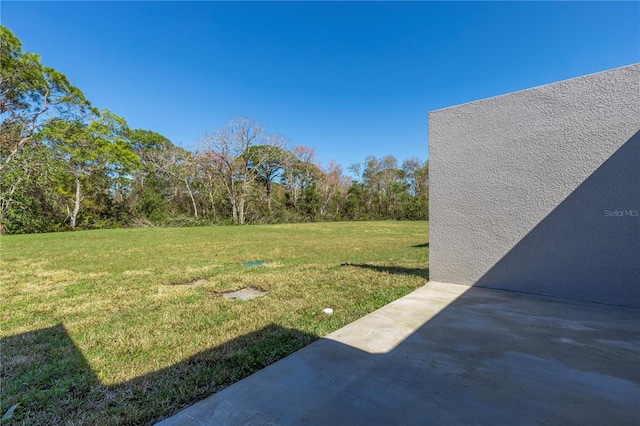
{"points": [[451, 354]]}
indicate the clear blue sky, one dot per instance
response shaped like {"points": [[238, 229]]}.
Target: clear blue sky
{"points": [[351, 79]]}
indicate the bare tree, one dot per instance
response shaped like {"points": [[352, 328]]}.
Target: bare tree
{"points": [[179, 165], [301, 170], [235, 160], [332, 184]]}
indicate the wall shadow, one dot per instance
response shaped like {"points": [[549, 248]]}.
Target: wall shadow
{"points": [[490, 357], [394, 270], [42, 368], [588, 247], [44, 372]]}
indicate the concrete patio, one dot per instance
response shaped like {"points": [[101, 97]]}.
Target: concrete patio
{"points": [[451, 354]]}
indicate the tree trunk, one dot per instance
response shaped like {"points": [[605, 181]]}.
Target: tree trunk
{"points": [[213, 206], [241, 210], [268, 195], [76, 204], [193, 201], [234, 209], [5, 202], [294, 193]]}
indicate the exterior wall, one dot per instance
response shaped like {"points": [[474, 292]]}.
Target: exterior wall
{"points": [[538, 191]]}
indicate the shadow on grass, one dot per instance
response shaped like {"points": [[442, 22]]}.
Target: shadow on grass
{"points": [[394, 270], [49, 377], [476, 360], [425, 245]]}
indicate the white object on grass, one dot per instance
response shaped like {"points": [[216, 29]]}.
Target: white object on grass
{"points": [[9, 413], [328, 311]]}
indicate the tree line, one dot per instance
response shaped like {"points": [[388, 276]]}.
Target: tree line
{"points": [[65, 164]]}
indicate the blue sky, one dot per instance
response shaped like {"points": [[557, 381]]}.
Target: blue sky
{"points": [[351, 79]]}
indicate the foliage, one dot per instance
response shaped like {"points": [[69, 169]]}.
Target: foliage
{"points": [[28, 90], [97, 154], [66, 165], [32, 198]]}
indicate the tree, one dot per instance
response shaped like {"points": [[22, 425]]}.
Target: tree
{"points": [[417, 178], [301, 171], [268, 162], [31, 96], [211, 183], [384, 186], [28, 92], [178, 164], [98, 145], [151, 194], [355, 206], [236, 161], [332, 186], [29, 200]]}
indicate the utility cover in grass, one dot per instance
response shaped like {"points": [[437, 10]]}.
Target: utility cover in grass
{"points": [[244, 294], [249, 264]]}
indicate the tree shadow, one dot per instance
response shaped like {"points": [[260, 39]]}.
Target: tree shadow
{"points": [[394, 270], [50, 378], [422, 245]]}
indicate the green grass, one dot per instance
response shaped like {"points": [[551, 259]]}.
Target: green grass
{"points": [[107, 327]]}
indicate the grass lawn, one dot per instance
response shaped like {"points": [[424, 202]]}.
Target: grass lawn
{"points": [[128, 326]]}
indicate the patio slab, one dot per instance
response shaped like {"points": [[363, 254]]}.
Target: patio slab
{"points": [[450, 354]]}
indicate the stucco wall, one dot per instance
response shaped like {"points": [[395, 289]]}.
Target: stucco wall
{"points": [[538, 191]]}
